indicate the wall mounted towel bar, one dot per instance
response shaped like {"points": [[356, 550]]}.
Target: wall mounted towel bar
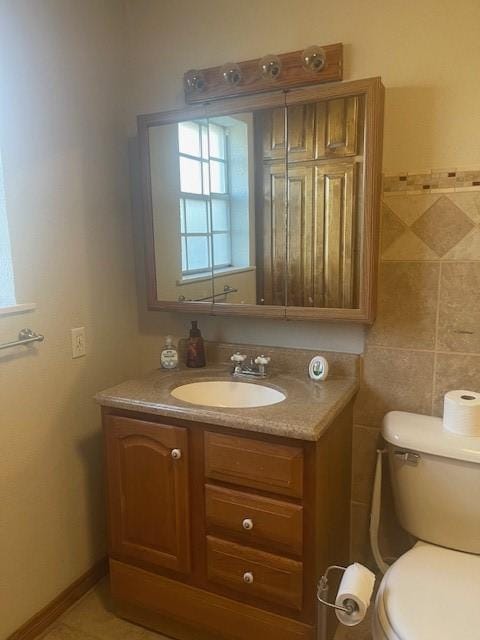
{"points": [[26, 336], [226, 290]]}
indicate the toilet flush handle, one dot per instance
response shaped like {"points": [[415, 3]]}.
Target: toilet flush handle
{"points": [[409, 457]]}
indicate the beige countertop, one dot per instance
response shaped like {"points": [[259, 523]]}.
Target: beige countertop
{"points": [[305, 413]]}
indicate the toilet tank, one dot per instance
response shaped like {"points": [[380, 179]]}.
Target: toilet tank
{"points": [[435, 478]]}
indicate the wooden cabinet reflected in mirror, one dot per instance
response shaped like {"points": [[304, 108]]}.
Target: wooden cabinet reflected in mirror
{"points": [[266, 205], [315, 240]]}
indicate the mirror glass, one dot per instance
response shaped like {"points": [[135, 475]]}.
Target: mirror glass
{"points": [[271, 196], [180, 192], [247, 207], [218, 206], [260, 207], [325, 182], [232, 174]]}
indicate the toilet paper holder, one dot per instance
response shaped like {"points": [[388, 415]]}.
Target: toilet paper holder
{"points": [[322, 593]]}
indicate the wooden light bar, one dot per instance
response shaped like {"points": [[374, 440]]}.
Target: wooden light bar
{"points": [[210, 84]]}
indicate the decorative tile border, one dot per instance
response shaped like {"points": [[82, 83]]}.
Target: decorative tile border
{"points": [[433, 181]]}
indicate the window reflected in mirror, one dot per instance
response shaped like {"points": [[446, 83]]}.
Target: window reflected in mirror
{"points": [[233, 208], [180, 192]]}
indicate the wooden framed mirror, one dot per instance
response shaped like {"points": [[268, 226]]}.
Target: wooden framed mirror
{"points": [[266, 205]]}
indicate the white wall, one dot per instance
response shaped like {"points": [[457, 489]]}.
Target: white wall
{"points": [[64, 151]]}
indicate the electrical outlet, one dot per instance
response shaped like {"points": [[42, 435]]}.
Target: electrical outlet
{"points": [[78, 342]]}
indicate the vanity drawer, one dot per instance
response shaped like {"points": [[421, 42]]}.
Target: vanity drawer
{"points": [[260, 574], [255, 519], [254, 463]]}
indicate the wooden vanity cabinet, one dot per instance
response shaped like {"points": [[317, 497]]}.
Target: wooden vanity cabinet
{"points": [[220, 533], [148, 492]]}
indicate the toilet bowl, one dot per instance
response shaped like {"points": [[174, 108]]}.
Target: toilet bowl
{"points": [[432, 592]]}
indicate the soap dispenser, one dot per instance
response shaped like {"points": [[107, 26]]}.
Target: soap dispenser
{"points": [[169, 355], [195, 347]]}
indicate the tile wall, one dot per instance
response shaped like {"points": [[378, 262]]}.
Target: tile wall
{"points": [[426, 339]]}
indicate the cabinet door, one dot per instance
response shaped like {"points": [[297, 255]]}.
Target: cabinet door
{"points": [[336, 127], [274, 229], [302, 231], [300, 133], [147, 473], [334, 254]]}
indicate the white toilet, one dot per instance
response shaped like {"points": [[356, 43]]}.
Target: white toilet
{"points": [[432, 592]]}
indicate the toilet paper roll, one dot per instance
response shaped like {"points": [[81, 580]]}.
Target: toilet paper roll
{"points": [[356, 587], [461, 412]]}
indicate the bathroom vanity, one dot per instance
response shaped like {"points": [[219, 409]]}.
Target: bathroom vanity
{"points": [[221, 521]]}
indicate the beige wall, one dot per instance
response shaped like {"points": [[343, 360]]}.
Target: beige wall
{"points": [[426, 52], [63, 143]]}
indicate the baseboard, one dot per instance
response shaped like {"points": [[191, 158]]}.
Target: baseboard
{"points": [[44, 618]]}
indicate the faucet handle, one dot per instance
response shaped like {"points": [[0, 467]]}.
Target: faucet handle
{"points": [[262, 360], [238, 358]]}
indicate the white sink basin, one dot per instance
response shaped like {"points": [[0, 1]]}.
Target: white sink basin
{"points": [[228, 394]]}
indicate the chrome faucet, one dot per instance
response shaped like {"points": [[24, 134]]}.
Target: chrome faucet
{"points": [[256, 368]]}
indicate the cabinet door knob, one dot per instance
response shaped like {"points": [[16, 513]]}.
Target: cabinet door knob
{"points": [[248, 577], [247, 524], [176, 454]]}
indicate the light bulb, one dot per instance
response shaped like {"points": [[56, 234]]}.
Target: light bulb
{"points": [[194, 81], [314, 58], [270, 67], [231, 73]]}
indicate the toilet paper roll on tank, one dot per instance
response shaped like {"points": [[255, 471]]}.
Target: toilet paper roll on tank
{"points": [[461, 412]]}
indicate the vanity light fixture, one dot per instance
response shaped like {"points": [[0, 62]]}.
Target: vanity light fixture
{"points": [[314, 58], [308, 66], [231, 73], [270, 67], [194, 81]]}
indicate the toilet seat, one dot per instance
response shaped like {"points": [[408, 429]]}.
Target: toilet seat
{"points": [[430, 593]]}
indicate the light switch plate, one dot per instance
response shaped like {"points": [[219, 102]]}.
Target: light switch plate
{"points": [[78, 342]]}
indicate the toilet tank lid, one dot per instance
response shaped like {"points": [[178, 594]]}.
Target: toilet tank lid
{"points": [[426, 435]]}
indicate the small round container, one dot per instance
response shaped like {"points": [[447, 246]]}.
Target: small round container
{"points": [[318, 368]]}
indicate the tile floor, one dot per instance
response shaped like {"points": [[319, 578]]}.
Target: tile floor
{"points": [[360, 632], [91, 618]]}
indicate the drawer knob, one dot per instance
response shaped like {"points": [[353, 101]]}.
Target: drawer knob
{"points": [[248, 577], [247, 524], [176, 454]]}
